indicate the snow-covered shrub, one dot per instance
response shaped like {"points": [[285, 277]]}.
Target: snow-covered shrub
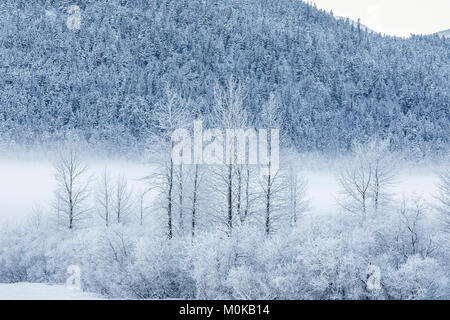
{"points": [[418, 278], [323, 257], [212, 256], [160, 270]]}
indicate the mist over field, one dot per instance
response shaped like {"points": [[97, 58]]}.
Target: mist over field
{"points": [[28, 184]]}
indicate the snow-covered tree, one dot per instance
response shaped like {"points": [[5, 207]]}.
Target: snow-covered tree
{"points": [[123, 199], [229, 114], [168, 116], [104, 197], [443, 198], [72, 193], [367, 179]]}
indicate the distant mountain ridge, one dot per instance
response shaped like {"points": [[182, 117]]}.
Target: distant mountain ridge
{"points": [[355, 24], [445, 33]]}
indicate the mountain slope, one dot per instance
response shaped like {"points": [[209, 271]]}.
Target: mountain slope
{"points": [[335, 83]]}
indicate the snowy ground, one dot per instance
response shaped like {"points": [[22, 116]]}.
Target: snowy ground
{"points": [[39, 291]]}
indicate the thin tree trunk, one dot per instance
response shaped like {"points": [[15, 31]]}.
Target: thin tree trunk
{"points": [[239, 197], [181, 198], [230, 199], [269, 184], [377, 190], [293, 194], [70, 211], [70, 197], [268, 203], [118, 208], [247, 182], [169, 199], [194, 201]]}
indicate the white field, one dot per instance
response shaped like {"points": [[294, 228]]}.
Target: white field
{"points": [[39, 291]]}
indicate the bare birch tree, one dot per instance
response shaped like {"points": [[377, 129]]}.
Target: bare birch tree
{"points": [[168, 116], [142, 206], [229, 114], [413, 219], [271, 186], [123, 199], [72, 192], [355, 182], [181, 196], [367, 180], [384, 168], [104, 197], [194, 200], [298, 203], [198, 196]]}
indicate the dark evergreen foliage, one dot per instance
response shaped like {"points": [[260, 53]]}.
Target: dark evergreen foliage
{"points": [[336, 82]]}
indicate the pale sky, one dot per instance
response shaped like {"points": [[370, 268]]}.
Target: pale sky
{"points": [[394, 17]]}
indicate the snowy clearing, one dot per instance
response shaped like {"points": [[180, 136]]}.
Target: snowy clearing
{"points": [[40, 291]]}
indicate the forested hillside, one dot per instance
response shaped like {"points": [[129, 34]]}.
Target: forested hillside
{"points": [[335, 82]]}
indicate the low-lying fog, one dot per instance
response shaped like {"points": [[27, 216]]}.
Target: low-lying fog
{"points": [[28, 183]]}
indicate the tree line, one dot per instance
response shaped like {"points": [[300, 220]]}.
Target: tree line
{"points": [[221, 195]]}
